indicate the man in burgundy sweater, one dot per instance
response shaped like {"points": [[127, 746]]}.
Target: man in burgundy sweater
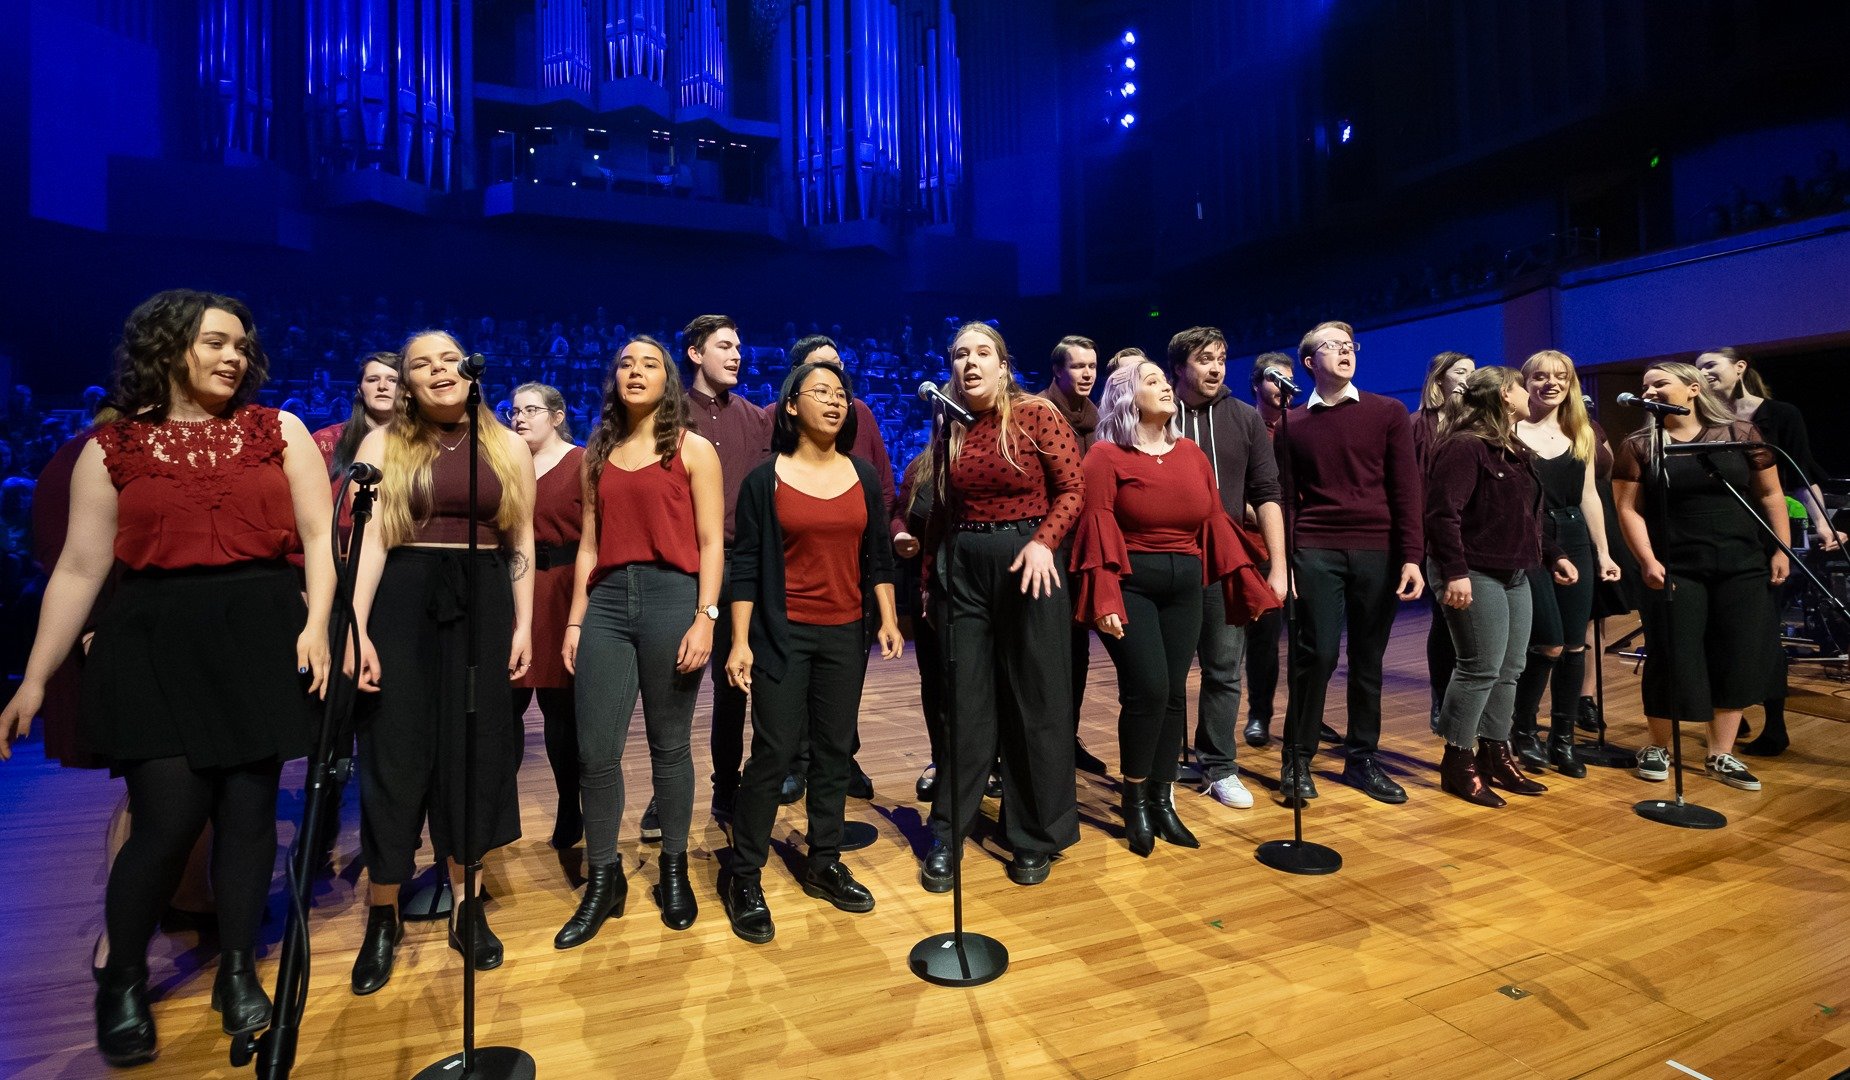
{"points": [[741, 433], [1348, 471]]}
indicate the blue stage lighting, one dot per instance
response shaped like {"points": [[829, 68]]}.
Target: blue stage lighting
{"points": [[1129, 89], [1127, 120], [1130, 63], [1346, 133], [1130, 37]]}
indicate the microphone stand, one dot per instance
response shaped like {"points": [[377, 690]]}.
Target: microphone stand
{"points": [[1296, 855], [956, 958], [274, 1050], [1683, 815], [486, 1062]]}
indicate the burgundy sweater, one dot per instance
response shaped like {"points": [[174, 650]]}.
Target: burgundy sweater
{"points": [[1349, 473]]}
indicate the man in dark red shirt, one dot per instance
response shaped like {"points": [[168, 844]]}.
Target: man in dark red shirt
{"points": [[1346, 460], [741, 432], [1075, 370]]}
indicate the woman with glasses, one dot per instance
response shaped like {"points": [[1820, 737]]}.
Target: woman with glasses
{"points": [[812, 587], [537, 415]]}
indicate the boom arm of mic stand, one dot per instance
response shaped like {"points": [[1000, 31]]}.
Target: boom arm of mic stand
{"points": [[1792, 558]]}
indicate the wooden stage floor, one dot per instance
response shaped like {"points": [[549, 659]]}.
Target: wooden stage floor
{"points": [[1632, 944]]}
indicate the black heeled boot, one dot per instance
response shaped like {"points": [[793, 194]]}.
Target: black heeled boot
{"points": [[1162, 798], [606, 889], [488, 950], [237, 995], [674, 895], [124, 1026], [372, 968], [1138, 832], [1561, 750]]}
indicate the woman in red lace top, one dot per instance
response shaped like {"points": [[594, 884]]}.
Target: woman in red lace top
{"points": [[193, 686], [1152, 522], [410, 593], [1007, 500]]}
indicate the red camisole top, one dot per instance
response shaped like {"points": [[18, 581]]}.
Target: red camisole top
{"points": [[646, 516], [200, 493]]}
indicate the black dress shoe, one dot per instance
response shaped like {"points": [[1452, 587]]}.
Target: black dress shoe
{"points": [[1588, 717], [1258, 733], [651, 824], [860, 785], [928, 783], [1029, 867], [372, 968], [1085, 760], [935, 869], [1364, 772], [237, 995], [993, 789], [1295, 782], [488, 950], [793, 788], [1163, 816], [746, 910], [606, 890], [674, 894], [1134, 804], [836, 884], [124, 1026], [1328, 733]]}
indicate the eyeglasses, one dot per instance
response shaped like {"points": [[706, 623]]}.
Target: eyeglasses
{"points": [[529, 412], [1350, 347], [823, 396]]}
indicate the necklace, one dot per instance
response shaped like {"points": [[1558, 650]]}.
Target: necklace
{"points": [[450, 446]]}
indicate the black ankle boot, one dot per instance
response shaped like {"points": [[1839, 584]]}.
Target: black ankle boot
{"points": [[237, 995], [1561, 750], [674, 895], [1138, 832], [1527, 745], [124, 1026], [488, 950], [1163, 817], [606, 889], [1589, 718], [372, 968]]}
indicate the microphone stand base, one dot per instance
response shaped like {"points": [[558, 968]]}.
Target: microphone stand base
{"points": [[941, 960], [1680, 814], [1601, 756], [486, 1063], [1298, 857]]}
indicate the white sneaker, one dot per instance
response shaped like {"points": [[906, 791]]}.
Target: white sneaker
{"points": [[1228, 791]]}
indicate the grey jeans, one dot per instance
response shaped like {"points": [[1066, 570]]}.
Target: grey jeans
{"points": [[1222, 650], [633, 627], [1491, 638]]}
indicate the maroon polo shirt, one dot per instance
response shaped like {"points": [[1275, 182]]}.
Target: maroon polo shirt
{"points": [[740, 431]]}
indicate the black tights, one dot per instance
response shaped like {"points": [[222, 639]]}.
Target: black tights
{"points": [[559, 709], [170, 803]]}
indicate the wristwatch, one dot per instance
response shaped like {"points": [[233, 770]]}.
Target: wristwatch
{"points": [[711, 611]]}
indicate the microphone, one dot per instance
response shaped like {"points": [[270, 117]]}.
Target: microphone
{"points": [[1281, 380], [928, 391], [1587, 400], [1661, 408], [361, 472], [1710, 447], [472, 366]]}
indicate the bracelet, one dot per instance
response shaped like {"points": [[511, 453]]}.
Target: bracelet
{"points": [[574, 626]]}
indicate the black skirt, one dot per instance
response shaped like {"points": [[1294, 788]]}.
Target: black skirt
{"points": [[200, 663]]}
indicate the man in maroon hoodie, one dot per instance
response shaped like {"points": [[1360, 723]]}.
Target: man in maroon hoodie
{"points": [[1348, 470]]}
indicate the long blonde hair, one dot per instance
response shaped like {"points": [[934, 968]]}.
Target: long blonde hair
{"points": [[411, 451], [1709, 406], [1008, 400], [1571, 414]]}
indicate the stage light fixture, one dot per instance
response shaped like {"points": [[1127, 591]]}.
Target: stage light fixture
{"points": [[1127, 120], [1346, 133], [1130, 37], [1129, 89], [1130, 63]]}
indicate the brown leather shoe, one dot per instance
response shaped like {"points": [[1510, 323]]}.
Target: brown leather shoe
{"points": [[1458, 775], [1497, 765]]}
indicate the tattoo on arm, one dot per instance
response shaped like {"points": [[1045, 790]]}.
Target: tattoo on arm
{"points": [[517, 566]]}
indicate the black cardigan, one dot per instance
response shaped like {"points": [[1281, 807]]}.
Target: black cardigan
{"points": [[756, 570]]}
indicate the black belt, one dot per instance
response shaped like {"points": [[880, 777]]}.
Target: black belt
{"points": [[998, 526], [547, 556]]}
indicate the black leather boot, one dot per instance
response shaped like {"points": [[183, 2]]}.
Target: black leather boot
{"points": [[488, 950], [1135, 803], [1561, 750], [674, 894], [237, 995], [124, 1026], [372, 968], [606, 889], [1163, 816]]}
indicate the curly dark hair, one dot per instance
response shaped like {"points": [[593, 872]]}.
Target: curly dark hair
{"points": [[672, 417], [155, 341]]}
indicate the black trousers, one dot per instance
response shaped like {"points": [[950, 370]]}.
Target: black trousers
{"points": [[1441, 656], [559, 711], [1707, 643], [1338, 589], [928, 650], [1262, 636], [726, 742], [1162, 607], [819, 697], [1013, 682], [1081, 647]]}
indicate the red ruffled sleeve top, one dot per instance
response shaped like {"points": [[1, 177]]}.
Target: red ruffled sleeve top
{"points": [[1163, 504], [200, 493], [1046, 480]]}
